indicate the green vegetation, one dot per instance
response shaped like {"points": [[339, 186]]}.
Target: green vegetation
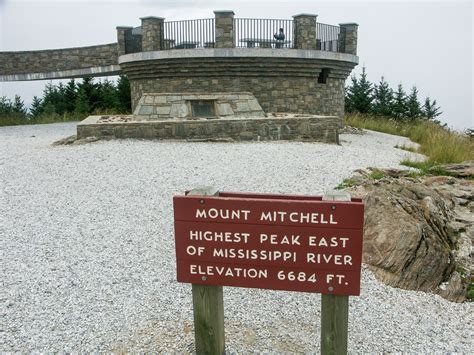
{"points": [[438, 143], [408, 149], [70, 102], [347, 183], [374, 174], [379, 108], [425, 167], [377, 174], [380, 100], [470, 292]]}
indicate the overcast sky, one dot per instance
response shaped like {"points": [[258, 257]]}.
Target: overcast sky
{"points": [[426, 43]]}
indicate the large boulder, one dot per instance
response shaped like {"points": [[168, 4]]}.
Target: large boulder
{"points": [[417, 235]]}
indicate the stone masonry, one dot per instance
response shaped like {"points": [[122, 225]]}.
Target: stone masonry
{"points": [[298, 80], [304, 31], [279, 84], [162, 106], [152, 33], [300, 128], [277, 94], [58, 59], [103, 60], [224, 23], [124, 34], [350, 37]]}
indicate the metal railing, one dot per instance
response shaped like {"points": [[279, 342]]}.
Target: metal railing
{"points": [[249, 33], [329, 38], [261, 33], [189, 34]]}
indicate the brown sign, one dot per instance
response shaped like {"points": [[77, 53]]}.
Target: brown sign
{"points": [[278, 242]]}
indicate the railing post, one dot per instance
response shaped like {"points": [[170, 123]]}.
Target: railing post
{"points": [[304, 31], [124, 34], [349, 37], [225, 35], [152, 33]]}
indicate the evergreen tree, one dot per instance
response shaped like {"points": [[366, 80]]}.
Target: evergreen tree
{"points": [[50, 99], [359, 96], [87, 98], [430, 110], [6, 107], [70, 94], [399, 108], [82, 106], [19, 107], [48, 109], [60, 99], [123, 95], [36, 108], [383, 99], [108, 96], [413, 105]]}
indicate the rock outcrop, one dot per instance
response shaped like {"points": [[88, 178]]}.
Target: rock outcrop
{"points": [[418, 231], [463, 170]]}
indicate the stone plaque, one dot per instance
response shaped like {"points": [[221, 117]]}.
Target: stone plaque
{"points": [[203, 108]]}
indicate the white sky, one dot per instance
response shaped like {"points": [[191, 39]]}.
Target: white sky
{"points": [[425, 43]]}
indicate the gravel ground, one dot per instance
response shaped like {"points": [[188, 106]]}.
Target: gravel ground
{"points": [[87, 249]]}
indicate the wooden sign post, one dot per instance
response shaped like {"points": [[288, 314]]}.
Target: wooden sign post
{"points": [[334, 309], [278, 242], [208, 307]]}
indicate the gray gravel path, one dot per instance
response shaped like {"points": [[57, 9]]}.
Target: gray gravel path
{"points": [[87, 250]]}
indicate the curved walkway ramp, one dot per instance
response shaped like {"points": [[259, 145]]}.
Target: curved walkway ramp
{"points": [[78, 62]]}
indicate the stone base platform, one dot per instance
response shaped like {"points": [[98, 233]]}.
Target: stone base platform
{"points": [[273, 127]]}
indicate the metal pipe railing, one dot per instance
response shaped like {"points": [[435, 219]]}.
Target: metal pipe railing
{"points": [[184, 34], [263, 33]]}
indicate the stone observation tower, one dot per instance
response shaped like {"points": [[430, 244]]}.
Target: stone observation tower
{"points": [[220, 67]]}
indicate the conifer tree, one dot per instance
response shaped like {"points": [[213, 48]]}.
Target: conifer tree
{"points": [[82, 106], [349, 97], [413, 105], [123, 95], [359, 95], [87, 98], [430, 110], [50, 99], [399, 108], [36, 108], [383, 99], [61, 103], [108, 96], [19, 107], [6, 106], [70, 94], [49, 109]]}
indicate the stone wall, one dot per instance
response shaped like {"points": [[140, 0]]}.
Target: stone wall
{"points": [[152, 33], [277, 94], [58, 59], [155, 106], [349, 32], [224, 26], [305, 128], [304, 31], [285, 85]]}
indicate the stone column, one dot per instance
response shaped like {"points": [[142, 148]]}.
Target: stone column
{"points": [[349, 37], [123, 35], [152, 33], [304, 31], [224, 24]]}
